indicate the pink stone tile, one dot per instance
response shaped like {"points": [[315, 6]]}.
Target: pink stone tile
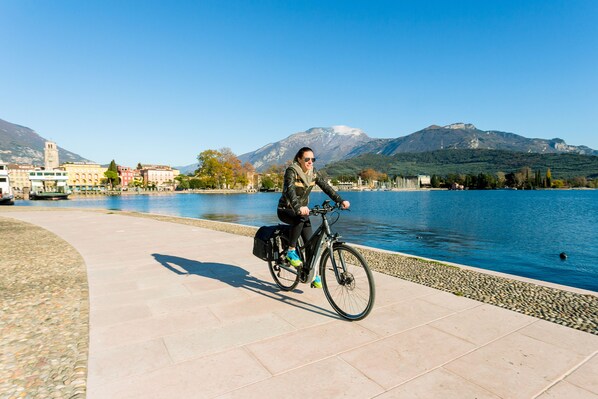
{"points": [[238, 310], [563, 337], [438, 383], [565, 390], [586, 376], [193, 301], [483, 324], [206, 377], [329, 378], [106, 365], [401, 357], [402, 316], [515, 366], [391, 290], [308, 345], [113, 287], [138, 297], [105, 316], [195, 344], [451, 301], [302, 316], [153, 327]]}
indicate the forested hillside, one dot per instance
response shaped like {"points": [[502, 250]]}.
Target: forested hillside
{"points": [[466, 161]]}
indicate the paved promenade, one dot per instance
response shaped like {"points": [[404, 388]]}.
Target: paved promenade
{"points": [[178, 311]]}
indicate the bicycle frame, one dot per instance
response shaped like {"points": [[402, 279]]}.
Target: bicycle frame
{"points": [[323, 237], [353, 293]]}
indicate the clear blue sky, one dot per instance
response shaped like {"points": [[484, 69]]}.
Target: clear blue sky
{"points": [[161, 81]]}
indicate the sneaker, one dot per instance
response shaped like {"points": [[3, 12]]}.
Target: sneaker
{"points": [[293, 258], [317, 283]]}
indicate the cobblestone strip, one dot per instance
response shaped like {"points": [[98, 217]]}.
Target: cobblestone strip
{"points": [[567, 308], [44, 314]]}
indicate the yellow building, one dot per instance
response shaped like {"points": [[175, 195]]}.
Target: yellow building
{"points": [[85, 176]]}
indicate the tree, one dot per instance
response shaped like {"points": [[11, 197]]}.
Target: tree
{"points": [[500, 179], [268, 183], [112, 175], [210, 168], [221, 169], [548, 178], [182, 182], [538, 179], [578, 181], [369, 175], [275, 174], [558, 183]]}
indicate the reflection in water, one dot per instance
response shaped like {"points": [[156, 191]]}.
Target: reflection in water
{"points": [[221, 217]]}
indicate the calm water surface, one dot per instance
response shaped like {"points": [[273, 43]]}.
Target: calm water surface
{"points": [[516, 232]]}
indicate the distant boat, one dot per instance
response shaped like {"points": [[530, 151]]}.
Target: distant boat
{"points": [[6, 195], [49, 185]]}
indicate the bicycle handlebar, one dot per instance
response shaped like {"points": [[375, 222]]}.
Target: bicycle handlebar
{"points": [[324, 208]]}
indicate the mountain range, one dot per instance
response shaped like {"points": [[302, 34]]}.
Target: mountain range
{"points": [[19, 144], [342, 142]]}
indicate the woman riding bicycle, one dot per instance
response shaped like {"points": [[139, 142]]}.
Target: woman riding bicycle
{"points": [[299, 179]]}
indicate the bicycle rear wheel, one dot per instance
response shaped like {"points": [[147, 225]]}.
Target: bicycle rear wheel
{"points": [[352, 292], [285, 279]]}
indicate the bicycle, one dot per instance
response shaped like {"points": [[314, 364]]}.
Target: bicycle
{"points": [[346, 278]]}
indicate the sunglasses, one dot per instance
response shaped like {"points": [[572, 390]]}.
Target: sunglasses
{"points": [[309, 159]]}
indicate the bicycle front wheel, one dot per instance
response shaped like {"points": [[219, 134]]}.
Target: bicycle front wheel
{"points": [[350, 290]]}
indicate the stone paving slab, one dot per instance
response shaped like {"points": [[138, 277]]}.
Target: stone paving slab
{"points": [[189, 313]]}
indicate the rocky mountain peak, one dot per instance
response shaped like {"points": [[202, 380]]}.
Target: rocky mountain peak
{"points": [[329, 144], [461, 125]]}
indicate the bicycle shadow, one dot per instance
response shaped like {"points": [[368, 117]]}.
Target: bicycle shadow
{"points": [[237, 277]]}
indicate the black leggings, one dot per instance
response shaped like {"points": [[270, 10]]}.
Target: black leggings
{"points": [[300, 225]]}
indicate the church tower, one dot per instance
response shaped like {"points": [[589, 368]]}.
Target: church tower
{"points": [[51, 156]]}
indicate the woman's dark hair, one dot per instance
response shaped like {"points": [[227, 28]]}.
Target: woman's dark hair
{"points": [[300, 153]]}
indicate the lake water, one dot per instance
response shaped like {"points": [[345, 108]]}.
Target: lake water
{"points": [[516, 232]]}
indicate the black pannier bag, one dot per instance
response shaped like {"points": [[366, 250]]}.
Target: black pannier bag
{"points": [[265, 245]]}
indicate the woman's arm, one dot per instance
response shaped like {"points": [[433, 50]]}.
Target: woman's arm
{"points": [[329, 190], [288, 190]]}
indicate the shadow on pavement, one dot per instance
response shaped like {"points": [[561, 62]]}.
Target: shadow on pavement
{"points": [[238, 277]]}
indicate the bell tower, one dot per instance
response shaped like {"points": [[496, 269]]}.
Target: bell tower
{"points": [[51, 156]]}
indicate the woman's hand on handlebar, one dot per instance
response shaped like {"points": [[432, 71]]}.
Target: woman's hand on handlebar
{"points": [[345, 205], [304, 211]]}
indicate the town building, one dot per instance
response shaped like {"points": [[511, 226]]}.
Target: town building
{"points": [[345, 186], [127, 175], [51, 156], [85, 177], [19, 177], [160, 177]]}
